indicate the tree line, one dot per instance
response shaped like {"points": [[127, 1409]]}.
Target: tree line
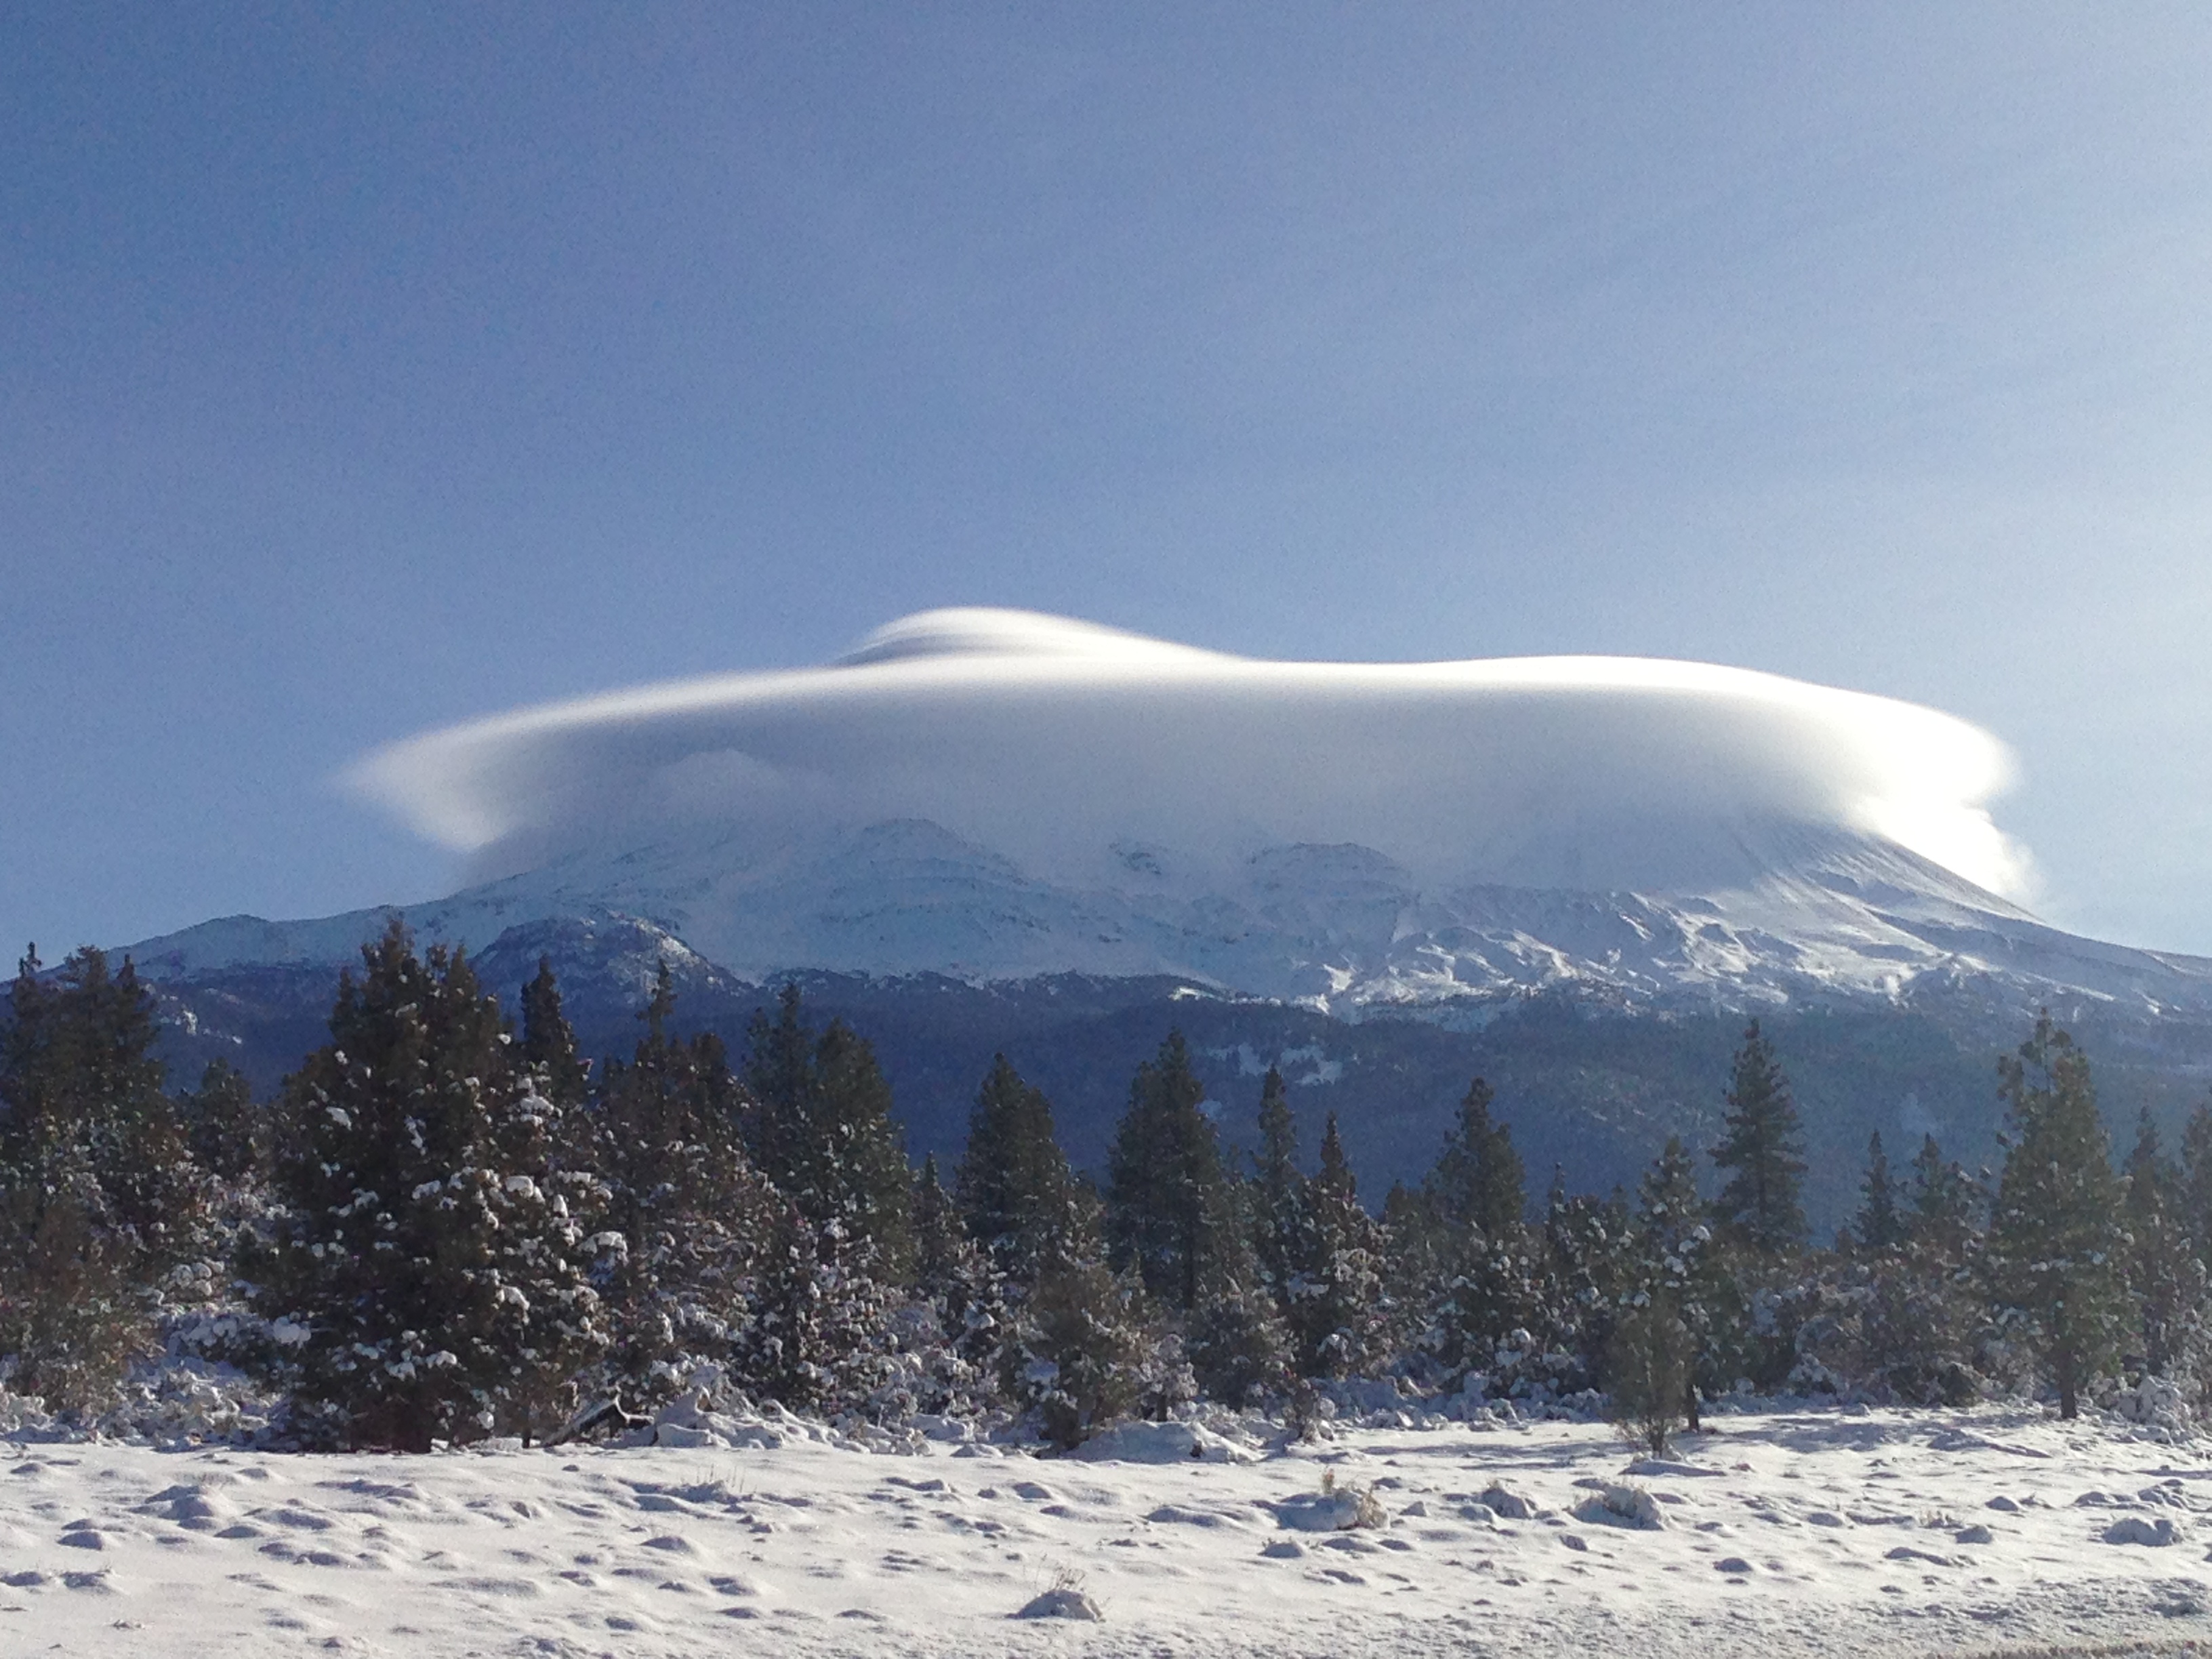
{"points": [[449, 1225]]}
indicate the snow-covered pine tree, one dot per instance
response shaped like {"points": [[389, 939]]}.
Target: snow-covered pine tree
{"points": [[951, 1329], [822, 1131], [80, 1081], [1679, 1271], [1235, 1338], [222, 1125], [1476, 1193], [818, 1338], [429, 1286], [100, 1199], [549, 1045], [1081, 1347], [1338, 1317], [686, 1211], [1164, 1180], [1760, 1207], [2165, 1280], [1280, 1226], [1590, 1260], [2054, 1242]]}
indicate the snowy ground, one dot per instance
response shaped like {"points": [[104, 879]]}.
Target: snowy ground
{"points": [[1811, 1532]]}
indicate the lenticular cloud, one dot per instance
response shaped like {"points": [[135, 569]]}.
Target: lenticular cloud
{"points": [[1067, 747]]}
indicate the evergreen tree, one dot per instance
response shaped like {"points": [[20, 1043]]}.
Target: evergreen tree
{"points": [[1878, 1228], [2055, 1240], [1476, 1196], [1589, 1266], [80, 1083], [549, 1045], [222, 1127], [2165, 1277], [1237, 1343], [1945, 1213], [1281, 1226], [1759, 1205], [959, 1288], [686, 1211], [1015, 1191], [1413, 1270], [1079, 1347], [1163, 1197], [1337, 1316], [2193, 1201], [1677, 1270], [817, 1339], [100, 1199], [1478, 1182], [435, 1288], [823, 1134]]}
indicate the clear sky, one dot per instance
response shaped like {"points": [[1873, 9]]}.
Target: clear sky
{"points": [[366, 367]]}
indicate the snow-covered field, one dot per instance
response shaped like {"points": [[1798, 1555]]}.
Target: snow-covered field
{"points": [[1813, 1532]]}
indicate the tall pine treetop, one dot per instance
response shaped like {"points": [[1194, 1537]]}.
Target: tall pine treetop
{"points": [[1760, 1205]]}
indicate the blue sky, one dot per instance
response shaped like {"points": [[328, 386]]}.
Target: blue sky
{"points": [[369, 367]]}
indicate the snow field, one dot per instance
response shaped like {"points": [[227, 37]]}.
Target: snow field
{"points": [[1987, 1531]]}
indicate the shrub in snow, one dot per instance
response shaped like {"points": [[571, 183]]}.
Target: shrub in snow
{"points": [[1161, 1442], [1062, 1602], [1333, 1509], [1621, 1506], [1510, 1504], [2138, 1529]]}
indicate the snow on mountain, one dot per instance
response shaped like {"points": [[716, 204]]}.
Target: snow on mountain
{"points": [[1341, 928], [994, 795]]}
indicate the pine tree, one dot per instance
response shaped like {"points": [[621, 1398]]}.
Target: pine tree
{"points": [[433, 1287], [1079, 1347], [1759, 1207], [2166, 1279], [823, 1132], [549, 1045], [1164, 1180], [1677, 1269], [2055, 1240], [1236, 1340], [80, 1081], [963, 1295], [817, 1339], [222, 1126], [1337, 1315], [1590, 1265], [1476, 1194], [1281, 1226], [2193, 1201], [686, 1211], [1945, 1213], [100, 1199], [1014, 1189], [1478, 1182], [1878, 1228]]}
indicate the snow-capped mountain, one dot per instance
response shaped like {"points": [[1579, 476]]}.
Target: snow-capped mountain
{"points": [[1824, 914]]}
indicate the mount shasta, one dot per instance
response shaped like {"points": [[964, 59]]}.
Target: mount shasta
{"points": [[987, 832]]}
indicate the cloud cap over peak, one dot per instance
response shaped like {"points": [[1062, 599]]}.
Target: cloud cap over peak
{"points": [[1052, 740]]}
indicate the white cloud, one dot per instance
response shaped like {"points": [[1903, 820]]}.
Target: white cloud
{"points": [[1051, 740]]}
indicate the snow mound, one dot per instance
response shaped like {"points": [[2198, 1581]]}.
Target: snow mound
{"points": [[1621, 1506], [1160, 1442], [1063, 1603], [2139, 1529]]}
